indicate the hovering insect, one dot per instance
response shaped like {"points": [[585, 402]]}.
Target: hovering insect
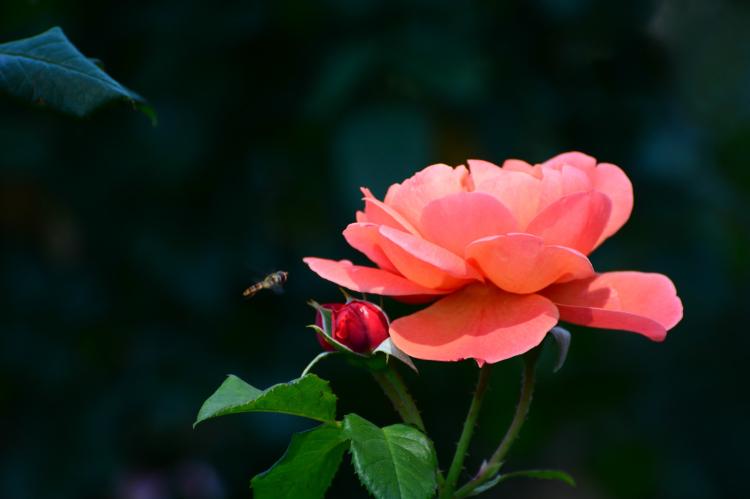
{"points": [[272, 281]]}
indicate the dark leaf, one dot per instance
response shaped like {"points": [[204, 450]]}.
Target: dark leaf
{"points": [[47, 69]]}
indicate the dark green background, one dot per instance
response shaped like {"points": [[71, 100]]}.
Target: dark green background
{"points": [[125, 247]]}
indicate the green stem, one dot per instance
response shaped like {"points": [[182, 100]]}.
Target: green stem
{"points": [[468, 430], [395, 389], [491, 467]]}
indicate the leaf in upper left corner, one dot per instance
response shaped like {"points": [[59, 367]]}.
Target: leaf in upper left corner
{"points": [[48, 69]]}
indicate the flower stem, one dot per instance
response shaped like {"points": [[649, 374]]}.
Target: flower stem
{"points": [[395, 389], [491, 467], [468, 430]]}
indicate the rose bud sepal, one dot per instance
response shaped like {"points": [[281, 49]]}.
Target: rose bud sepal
{"points": [[376, 359]]}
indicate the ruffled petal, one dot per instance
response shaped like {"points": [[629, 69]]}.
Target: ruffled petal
{"points": [[479, 322], [639, 302], [558, 183], [613, 182], [366, 279], [425, 263], [518, 165], [522, 263], [364, 237], [482, 171], [455, 221], [573, 158], [517, 190], [413, 194], [575, 221], [377, 212]]}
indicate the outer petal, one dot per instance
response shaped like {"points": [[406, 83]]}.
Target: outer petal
{"points": [[366, 279], [613, 182], [479, 322], [631, 301], [436, 181], [377, 212], [575, 221], [456, 220], [425, 263], [522, 263], [365, 237]]}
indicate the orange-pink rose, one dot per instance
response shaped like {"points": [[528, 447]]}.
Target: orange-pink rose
{"points": [[503, 249]]}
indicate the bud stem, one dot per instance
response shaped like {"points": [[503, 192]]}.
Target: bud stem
{"points": [[395, 389]]}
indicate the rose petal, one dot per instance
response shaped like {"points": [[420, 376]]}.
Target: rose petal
{"points": [[631, 301], [575, 221], [613, 182], [522, 166], [573, 158], [456, 220], [522, 263], [365, 237], [365, 279], [557, 183], [483, 171], [479, 322], [517, 190], [425, 263], [380, 213], [435, 181]]}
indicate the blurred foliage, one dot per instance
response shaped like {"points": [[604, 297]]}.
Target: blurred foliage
{"points": [[48, 70], [125, 248]]}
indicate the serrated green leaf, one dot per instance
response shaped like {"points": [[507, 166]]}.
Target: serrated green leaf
{"points": [[47, 69], [395, 462], [539, 474], [308, 397], [307, 467]]}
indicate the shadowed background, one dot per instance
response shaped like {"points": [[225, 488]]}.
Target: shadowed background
{"points": [[125, 247]]}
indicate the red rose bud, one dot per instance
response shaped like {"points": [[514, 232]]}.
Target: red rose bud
{"points": [[360, 325]]}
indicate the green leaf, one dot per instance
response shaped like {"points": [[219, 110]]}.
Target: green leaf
{"points": [[47, 69], [308, 397], [395, 462], [307, 467], [562, 338], [540, 474]]}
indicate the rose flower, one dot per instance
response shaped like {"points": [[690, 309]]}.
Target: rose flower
{"points": [[503, 251]]}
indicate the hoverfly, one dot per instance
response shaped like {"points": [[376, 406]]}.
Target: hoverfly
{"points": [[272, 281]]}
